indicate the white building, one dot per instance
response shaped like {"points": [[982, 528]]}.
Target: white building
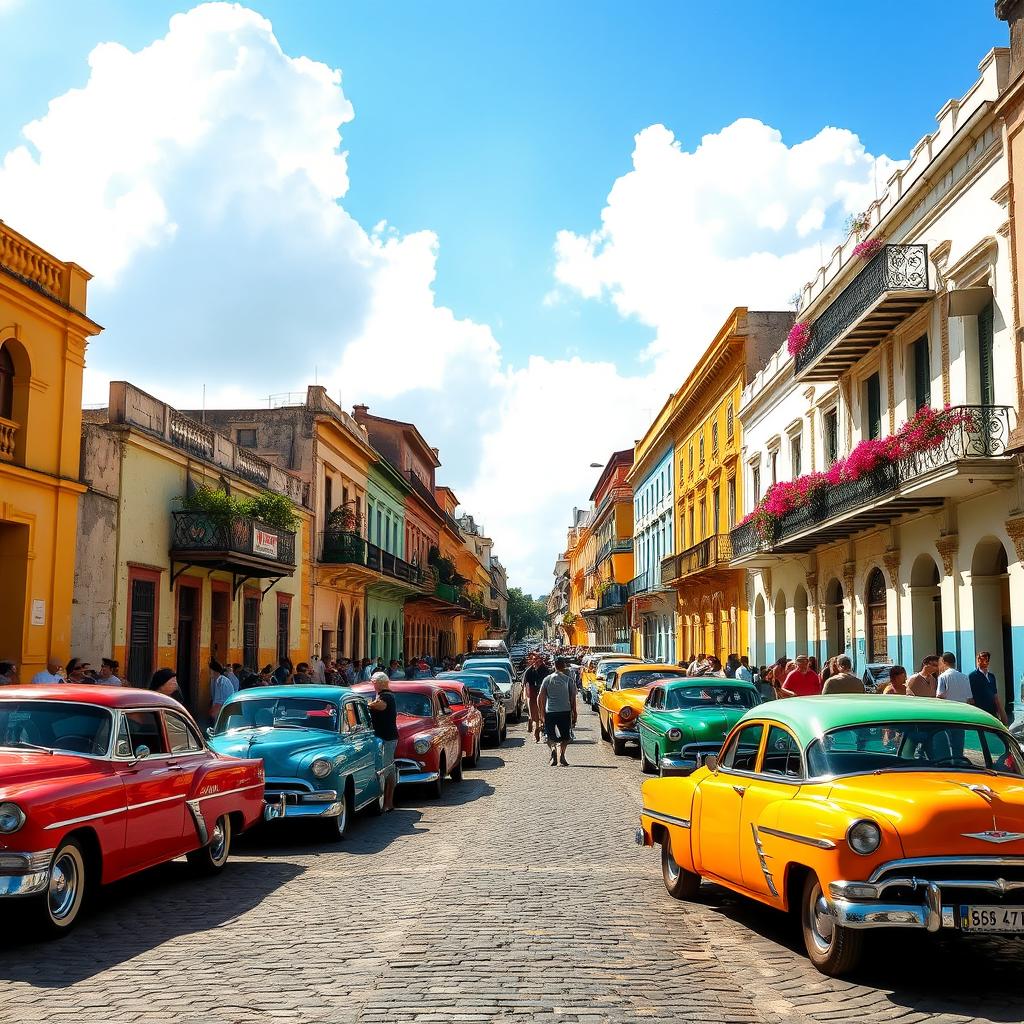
{"points": [[922, 553]]}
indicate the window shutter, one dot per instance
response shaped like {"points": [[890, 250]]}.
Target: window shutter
{"points": [[874, 389], [985, 371], [922, 373]]}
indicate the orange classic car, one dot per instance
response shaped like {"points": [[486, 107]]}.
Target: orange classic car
{"points": [[854, 812], [622, 699]]}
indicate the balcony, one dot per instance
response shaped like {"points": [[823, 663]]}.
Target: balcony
{"points": [[712, 553], [623, 546], [620, 495], [646, 582], [972, 454], [247, 548], [338, 547], [612, 600], [890, 287], [8, 436]]}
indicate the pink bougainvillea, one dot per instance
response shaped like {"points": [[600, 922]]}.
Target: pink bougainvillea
{"points": [[798, 337], [866, 249]]}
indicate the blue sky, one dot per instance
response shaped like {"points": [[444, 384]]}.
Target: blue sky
{"points": [[496, 125]]}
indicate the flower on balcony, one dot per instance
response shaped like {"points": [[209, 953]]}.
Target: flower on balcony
{"points": [[868, 248], [798, 337], [858, 223]]}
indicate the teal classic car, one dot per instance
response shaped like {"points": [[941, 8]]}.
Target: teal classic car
{"points": [[320, 755], [684, 719]]}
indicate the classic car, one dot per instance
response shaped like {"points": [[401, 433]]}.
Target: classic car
{"points": [[854, 812], [321, 757], [684, 719], [487, 697], [622, 699], [468, 717], [594, 682], [98, 782], [512, 687], [429, 746]]}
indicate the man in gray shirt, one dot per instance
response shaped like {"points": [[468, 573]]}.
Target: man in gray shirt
{"points": [[844, 681], [556, 703]]}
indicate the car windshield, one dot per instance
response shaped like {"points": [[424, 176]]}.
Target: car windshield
{"points": [[454, 698], [607, 667], [710, 696], [278, 713], [55, 725], [914, 746], [629, 680], [418, 705]]}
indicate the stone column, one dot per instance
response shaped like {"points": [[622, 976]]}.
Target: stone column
{"points": [[948, 545], [850, 644]]}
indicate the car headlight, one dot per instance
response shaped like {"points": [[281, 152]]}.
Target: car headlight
{"points": [[627, 713], [12, 817], [674, 735], [422, 745], [864, 836], [321, 767]]}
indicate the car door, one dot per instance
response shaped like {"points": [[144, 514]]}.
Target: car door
{"points": [[186, 756], [721, 804], [155, 816], [366, 748], [655, 702], [779, 776], [449, 730]]}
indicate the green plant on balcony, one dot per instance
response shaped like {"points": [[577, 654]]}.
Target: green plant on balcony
{"points": [[445, 569], [270, 508], [858, 223], [343, 519]]}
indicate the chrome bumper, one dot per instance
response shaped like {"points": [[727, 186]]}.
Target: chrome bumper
{"points": [[411, 772], [627, 734], [318, 803], [674, 765], [24, 874]]}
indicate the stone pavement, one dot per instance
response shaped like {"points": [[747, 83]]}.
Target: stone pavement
{"points": [[520, 896]]}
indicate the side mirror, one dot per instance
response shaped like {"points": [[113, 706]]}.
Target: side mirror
{"points": [[710, 761], [141, 752]]}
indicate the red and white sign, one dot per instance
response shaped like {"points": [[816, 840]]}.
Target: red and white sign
{"points": [[264, 543]]}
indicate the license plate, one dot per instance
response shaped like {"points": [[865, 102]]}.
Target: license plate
{"points": [[992, 919]]}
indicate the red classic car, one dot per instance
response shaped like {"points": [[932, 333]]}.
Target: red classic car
{"points": [[98, 782], [429, 745], [468, 718]]}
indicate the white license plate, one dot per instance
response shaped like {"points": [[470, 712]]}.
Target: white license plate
{"points": [[992, 919]]}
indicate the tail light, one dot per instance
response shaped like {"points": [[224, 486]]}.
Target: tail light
{"points": [[483, 702]]}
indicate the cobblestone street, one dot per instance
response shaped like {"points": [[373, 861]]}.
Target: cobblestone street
{"points": [[520, 896]]}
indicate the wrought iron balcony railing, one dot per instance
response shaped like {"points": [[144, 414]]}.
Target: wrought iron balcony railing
{"points": [[198, 537], [342, 547], [614, 596], [614, 547], [892, 284], [669, 569], [977, 432]]}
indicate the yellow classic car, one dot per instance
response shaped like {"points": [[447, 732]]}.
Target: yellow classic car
{"points": [[622, 699], [854, 812], [593, 685]]}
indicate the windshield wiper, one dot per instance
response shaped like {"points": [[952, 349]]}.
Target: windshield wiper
{"points": [[29, 746], [254, 728]]}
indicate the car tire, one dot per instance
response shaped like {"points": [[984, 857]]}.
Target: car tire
{"points": [[56, 912], [473, 758], [503, 735], [619, 746], [436, 788], [211, 858], [518, 716], [832, 949], [645, 766], [456, 772], [600, 722], [376, 808], [679, 883]]}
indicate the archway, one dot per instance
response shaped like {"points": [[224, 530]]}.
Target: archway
{"points": [[340, 637], [835, 619], [925, 608], [780, 626], [990, 586], [876, 626], [15, 374], [759, 638], [800, 623]]}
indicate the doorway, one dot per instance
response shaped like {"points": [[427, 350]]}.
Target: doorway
{"points": [[187, 655], [877, 618], [990, 586], [220, 620], [14, 573], [251, 631], [925, 609], [835, 620]]}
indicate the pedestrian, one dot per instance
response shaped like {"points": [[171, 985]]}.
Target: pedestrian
{"points": [[953, 684], [76, 670], [923, 683], [812, 664], [51, 674], [743, 673], [8, 673], [283, 672], [317, 670], [766, 685], [985, 688], [843, 680], [715, 668], [828, 669], [800, 681], [365, 671], [222, 689], [302, 676], [732, 663], [533, 677], [384, 716], [395, 670], [234, 673], [108, 672], [897, 681], [165, 680], [556, 701]]}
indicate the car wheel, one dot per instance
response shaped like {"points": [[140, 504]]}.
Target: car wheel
{"points": [[56, 911], [645, 766], [456, 773], [212, 857], [600, 722], [336, 827], [377, 807], [503, 735], [518, 715], [473, 756], [437, 786], [680, 883], [619, 746], [833, 949]]}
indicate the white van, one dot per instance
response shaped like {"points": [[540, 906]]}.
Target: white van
{"points": [[496, 648]]}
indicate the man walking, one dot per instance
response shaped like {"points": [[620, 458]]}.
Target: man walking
{"points": [[556, 702], [533, 677], [922, 683], [384, 715], [985, 688], [802, 681], [953, 684]]}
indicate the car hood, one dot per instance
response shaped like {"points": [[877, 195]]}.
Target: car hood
{"points": [[938, 813], [699, 725], [282, 750], [615, 700], [21, 769], [413, 725]]}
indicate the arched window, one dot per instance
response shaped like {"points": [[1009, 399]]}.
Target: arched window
{"points": [[373, 638], [339, 647], [877, 626], [6, 383], [357, 636]]}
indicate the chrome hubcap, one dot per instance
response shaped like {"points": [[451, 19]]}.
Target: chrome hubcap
{"points": [[218, 841], [671, 866], [821, 922], [63, 891]]}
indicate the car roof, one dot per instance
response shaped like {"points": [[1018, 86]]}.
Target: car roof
{"points": [[316, 692], [810, 717], [400, 686], [680, 683], [93, 693], [645, 666]]}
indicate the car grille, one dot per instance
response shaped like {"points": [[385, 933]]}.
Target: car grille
{"points": [[991, 879], [287, 786]]}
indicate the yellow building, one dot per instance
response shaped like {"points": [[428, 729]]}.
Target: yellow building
{"points": [[43, 335], [579, 553], [167, 575], [705, 430]]}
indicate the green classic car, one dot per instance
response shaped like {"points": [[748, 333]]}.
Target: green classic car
{"points": [[684, 719]]}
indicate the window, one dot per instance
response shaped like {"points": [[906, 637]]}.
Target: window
{"points": [[180, 735], [251, 631], [921, 363], [796, 456], [830, 424], [141, 627], [693, 539], [732, 502], [877, 631], [701, 442], [703, 518], [359, 515], [284, 614], [716, 517], [328, 495], [380, 522], [714, 438], [730, 427], [986, 378], [246, 437], [6, 383], [756, 483], [691, 458], [781, 754], [144, 731], [741, 754], [774, 459], [873, 406], [363, 715]]}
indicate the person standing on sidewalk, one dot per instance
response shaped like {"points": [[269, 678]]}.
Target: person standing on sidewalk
{"points": [[384, 716], [556, 703]]}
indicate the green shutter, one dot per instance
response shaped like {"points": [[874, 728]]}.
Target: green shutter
{"points": [[987, 384], [922, 373], [874, 389]]}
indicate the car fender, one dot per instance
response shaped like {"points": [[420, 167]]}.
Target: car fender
{"points": [[669, 805], [225, 786]]}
